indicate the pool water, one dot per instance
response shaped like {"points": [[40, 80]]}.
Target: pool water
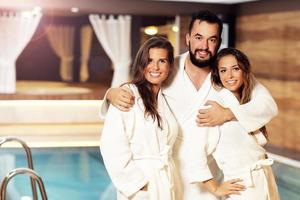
{"points": [[79, 174], [288, 181], [67, 173]]}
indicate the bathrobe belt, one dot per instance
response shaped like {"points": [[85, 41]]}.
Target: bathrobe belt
{"points": [[247, 173], [162, 164]]}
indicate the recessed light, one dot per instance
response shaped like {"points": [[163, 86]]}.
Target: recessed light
{"points": [[74, 9], [175, 28], [151, 30]]}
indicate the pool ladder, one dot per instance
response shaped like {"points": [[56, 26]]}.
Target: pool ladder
{"points": [[29, 171], [18, 171]]}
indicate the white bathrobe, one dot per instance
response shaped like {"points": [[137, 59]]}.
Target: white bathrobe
{"points": [[137, 152], [184, 101], [239, 155]]}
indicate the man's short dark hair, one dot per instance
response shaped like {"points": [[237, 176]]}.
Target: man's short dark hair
{"points": [[208, 16]]}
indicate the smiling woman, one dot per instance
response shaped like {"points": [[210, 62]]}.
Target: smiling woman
{"points": [[231, 74], [142, 166], [158, 68]]}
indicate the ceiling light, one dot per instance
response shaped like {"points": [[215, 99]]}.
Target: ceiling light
{"points": [[74, 9], [175, 28], [151, 30], [212, 1]]}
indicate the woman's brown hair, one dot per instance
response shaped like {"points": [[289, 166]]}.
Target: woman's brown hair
{"points": [[249, 81], [144, 87]]}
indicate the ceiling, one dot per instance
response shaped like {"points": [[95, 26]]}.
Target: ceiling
{"points": [[138, 7], [212, 1]]}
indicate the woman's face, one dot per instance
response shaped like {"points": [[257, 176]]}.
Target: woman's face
{"points": [[231, 75], [158, 67]]}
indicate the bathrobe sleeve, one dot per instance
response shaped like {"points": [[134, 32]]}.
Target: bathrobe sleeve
{"points": [[199, 150], [116, 152], [257, 112], [104, 106]]}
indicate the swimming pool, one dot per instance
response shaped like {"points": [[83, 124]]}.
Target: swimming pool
{"points": [[79, 174], [288, 181], [68, 173]]}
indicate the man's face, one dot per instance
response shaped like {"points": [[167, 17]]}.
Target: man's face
{"points": [[203, 43]]}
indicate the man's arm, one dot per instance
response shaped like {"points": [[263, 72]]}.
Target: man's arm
{"points": [[252, 115], [122, 98], [214, 114]]}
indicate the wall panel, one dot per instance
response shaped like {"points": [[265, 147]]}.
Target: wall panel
{"points": [[272, 42]]}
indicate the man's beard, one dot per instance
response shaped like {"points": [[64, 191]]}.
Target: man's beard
{"points": [[201, 63]]}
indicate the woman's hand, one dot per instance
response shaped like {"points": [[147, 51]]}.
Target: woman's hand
{"points": [[229, 187]]}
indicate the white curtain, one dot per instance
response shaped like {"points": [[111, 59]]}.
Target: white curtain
{"points": [[61, 39], [85, 45], [114, 35], [16, 30]]}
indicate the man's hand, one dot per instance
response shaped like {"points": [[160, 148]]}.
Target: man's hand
{"points": [[229, 187], [213, 116], [122, 98]]}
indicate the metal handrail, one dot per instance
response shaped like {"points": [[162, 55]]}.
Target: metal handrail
{"points": [[27, 171], [29, 160]]}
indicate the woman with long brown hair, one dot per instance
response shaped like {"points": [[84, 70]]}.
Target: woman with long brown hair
{"points": [[136, 146], [239, 154], [244, 88]]}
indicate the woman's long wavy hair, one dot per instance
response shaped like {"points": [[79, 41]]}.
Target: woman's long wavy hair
{"points": [[249, 81], [144, 87]]}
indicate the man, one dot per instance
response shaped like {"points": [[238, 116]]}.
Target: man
{"points": [[190, 88]]}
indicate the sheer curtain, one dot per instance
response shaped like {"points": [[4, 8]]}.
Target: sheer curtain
{"points": [[85, 44], [61, 39], [16, 30], [114, 35]]}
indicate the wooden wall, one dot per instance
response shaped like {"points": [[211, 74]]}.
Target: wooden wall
{"points": [[272, 43], [184, 29]]}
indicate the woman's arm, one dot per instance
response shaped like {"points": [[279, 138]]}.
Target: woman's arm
{"points": [[224, 189], [197, 161], [117, 155]]}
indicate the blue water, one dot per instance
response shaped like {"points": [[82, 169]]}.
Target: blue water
{"points": [[79, 174], [288, 181], [68, 173]]}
